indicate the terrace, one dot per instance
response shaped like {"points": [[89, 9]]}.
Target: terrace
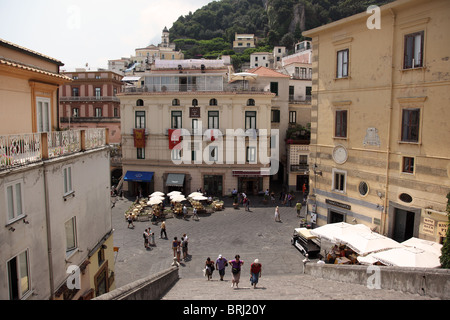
{"points": [[24, 149]]}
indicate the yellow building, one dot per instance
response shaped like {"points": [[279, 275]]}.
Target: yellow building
{"points": [[380, 147]]}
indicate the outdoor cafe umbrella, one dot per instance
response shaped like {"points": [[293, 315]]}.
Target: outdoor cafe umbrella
{"points": [[243, 76], [364, 243], [157, 193], [154, 200], [178, 198], [332, 230], [199, 198], [193, 194], [426, 245], [170, 194], [408, 257]]}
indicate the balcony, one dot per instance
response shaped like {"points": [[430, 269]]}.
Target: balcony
{"points": [[303, 167], [89, 99], [23, 149]]}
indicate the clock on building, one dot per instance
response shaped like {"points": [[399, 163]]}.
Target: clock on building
{"points": [[340, 154]]}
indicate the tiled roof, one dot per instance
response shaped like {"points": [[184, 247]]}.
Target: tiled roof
{"points": [[17, 65], [28, 51], [266, 72]]}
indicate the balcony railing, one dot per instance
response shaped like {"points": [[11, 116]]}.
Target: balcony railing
{"points": [[90, 98], [299, 167], [23, 149]]}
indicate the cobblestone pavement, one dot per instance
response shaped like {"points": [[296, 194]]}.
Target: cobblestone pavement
{"points": [[252, 235]]}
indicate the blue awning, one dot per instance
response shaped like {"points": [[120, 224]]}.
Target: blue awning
{"points": [[138, 176]]}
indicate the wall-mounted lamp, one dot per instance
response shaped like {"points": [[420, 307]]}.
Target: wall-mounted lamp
{"points": [[11, 229], [25, 221]]}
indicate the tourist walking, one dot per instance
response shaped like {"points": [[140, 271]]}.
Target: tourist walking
{"points": [[255, 272], [247, 204], [146, 235], [236, 270], [176, 248], [221, 263], [130, 221], [209, 268], [194, 214], [163, 230], [184, 246], [277, 215], [298, 207]]}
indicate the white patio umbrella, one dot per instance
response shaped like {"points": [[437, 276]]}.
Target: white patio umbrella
{"points": [[408, 257], [367, 259], [157, 193], [332, 230], [199, 198], [154, 200], [170, 194], [193, 194], [178, 198], [364, 243], [243, 76], [426, 245], [158, 197]]}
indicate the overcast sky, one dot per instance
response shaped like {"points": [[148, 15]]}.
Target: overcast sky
{"points": [[89, 31]]}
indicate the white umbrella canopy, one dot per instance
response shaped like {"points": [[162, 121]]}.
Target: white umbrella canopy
{"points": [[154, 200], [364, 243], [332, 230], [367, 259], [157, 193], [193, 194], [408, 257], [178, 198], [170, 194], [426, 245], [243, 76], [157, 197], [199, 198]]}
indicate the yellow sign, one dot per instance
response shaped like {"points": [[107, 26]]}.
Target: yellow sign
{"points": [[442, 228], [428, 226]]}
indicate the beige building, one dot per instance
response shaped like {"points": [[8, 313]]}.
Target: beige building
{"points": [[244, 41], [48, 199], [380, 147]]}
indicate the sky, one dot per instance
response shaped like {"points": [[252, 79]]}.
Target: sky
{"points": [[89, 31]]}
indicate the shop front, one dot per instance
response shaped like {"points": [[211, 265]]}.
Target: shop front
{"points": [[140, 183], [213, 185], [249, 181], [175, 182]]}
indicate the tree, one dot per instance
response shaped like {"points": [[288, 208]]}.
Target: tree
{"points": [[445, 251]]}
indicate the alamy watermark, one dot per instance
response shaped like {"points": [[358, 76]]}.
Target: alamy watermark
{"points": [[74, 279], [374, 21], [237, 146]]}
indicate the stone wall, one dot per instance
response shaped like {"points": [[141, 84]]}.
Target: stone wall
{"points": [[150, 288], [423, 281]]}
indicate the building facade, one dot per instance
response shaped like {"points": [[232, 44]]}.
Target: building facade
{"points": [[48, 199], [379, 132], [89, 101]]}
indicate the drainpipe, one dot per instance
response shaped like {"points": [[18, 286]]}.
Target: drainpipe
{"points": [[44, 153], [388, 147]]}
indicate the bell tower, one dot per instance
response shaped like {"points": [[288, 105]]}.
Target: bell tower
{"points": [[165, 38]]}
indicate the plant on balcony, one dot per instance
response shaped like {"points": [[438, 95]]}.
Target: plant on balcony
{"points": [[298, 132]]}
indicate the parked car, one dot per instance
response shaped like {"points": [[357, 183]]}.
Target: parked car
{"points": [[306, 242]]}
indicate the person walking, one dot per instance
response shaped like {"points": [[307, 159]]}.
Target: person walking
{"points": [[289, 200], [184, 246], [184, 212], [277, 215], [146, 235], [163, 230], [194, 214], [209, 266], [175, 247], [221, 263], [130, 221], [247, 204], [236, 270], [298, 206], [255, 272]]}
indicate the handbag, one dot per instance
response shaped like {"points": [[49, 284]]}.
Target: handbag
{"points": [[235, 270]]}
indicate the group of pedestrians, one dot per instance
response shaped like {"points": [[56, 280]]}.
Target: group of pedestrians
{"points": [[180, 246], [236, 267]]}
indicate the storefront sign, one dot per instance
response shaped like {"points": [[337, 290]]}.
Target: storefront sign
{"points": [[194, 112], [428, 226], [338, 204], [442, 228]]}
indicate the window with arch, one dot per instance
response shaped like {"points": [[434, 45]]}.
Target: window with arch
{"points": [[213, 102], [139, 103], [194, 102], [250, 102], [175, 102]]}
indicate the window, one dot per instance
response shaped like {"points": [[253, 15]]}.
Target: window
{"points": [[413, 50], [213, 119], [251, 154], [363, 188], [139, 103], [176, 154], [71, 235], [98, 93], [408, 165], [274, 87], [292, 116], [18, 276], [194, 102], [98, 112], [140, 153], [175, 102], [139, 120], [195, 146], [213, 153], [341, 124], [67, 175], [250, 120], [275, 117], [14, 200], [213, 102], [308, 93], [75, 92], [195, 129], [43, 114], [116, 112], [176, 119], [410, 125], [342, 64], [339, 178], [75, 112], [250, 102]]}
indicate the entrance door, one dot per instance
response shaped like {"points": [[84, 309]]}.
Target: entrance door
{"points": [[183, 84], [336, 217], [403, 225]]}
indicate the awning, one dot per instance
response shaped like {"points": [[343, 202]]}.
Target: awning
{"points": [[175, 180], [251, 173], [138, 176]]}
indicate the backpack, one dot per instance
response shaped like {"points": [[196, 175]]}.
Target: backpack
{"points": [[144, 235]]}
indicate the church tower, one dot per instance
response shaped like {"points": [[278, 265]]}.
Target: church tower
{"points": [[165, 38]]}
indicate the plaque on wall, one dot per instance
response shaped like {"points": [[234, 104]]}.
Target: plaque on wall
{"points": [[194, 112]]}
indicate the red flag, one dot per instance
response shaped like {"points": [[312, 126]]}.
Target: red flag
{"points": [[212, 135], [139, 138], [174, 139]]}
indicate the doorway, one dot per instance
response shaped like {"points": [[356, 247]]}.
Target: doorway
{"points": [[334, 217], [403, 224]]}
